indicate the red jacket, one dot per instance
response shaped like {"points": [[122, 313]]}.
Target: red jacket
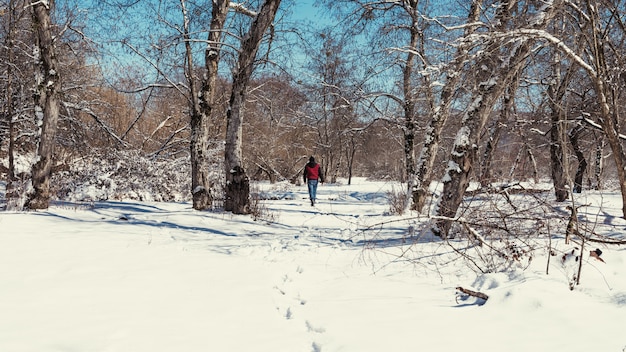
{"points": [[313, 172]]}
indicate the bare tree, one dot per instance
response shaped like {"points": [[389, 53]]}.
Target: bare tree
{"points": [[17, 119], [602, 72], [237, 182], [9, 44], [202, 101], [602, 58], [334, 99], [556, 91], [400, 33], [494, 73], [275, 135], [46, 105], [441, 112]]}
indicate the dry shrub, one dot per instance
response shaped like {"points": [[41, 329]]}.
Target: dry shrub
{"points": [[258, 208], [398, 201]]}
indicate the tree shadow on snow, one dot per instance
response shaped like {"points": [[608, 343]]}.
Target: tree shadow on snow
{"points": [[124, 213]]}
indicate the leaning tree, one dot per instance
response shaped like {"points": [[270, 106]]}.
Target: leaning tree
{"points": [[496, 66]]}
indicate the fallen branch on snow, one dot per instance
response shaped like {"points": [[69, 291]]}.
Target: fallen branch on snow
{"points": [[473, 293]]}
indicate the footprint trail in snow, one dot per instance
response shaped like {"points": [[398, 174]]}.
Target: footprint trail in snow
{"points": [[291, 304]]}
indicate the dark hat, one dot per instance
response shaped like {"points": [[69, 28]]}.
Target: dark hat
{"points": [[311, 159]]}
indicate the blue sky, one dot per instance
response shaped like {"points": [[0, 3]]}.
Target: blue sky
{"points": [[306, 10]]}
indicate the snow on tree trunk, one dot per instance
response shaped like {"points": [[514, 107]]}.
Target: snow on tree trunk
{"points": [[508, 103], [601, 80], [11, 188], [46, 106], [457, 175], [598, 163], [499, 66], [202, 104], [409, 109], [237, 200], [426, 161], [237, 183]]}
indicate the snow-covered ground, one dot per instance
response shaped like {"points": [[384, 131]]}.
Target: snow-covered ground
{"points": [[341, 276]]}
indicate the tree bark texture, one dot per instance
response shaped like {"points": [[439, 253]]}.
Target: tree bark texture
{"points": [[508, 103], [11, 194], [486, 176], [237, 193], [496, 71], [556, 93], [473, 293], [599, 163], [582, 162], [409, 102], [46, 106], [439, 117], [202, 104], [609, 122]]}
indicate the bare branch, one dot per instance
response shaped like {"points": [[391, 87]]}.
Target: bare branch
{"points": [[473, 293], [240, 8], [95, 116]]}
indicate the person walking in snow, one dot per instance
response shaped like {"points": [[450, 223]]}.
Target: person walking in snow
{"points": [[312, 175]]}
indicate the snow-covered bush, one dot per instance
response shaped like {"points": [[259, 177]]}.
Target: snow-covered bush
{"points": [[119, 175]]}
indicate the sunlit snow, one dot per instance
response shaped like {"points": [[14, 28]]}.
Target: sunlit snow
{"points": [[340, 276]]}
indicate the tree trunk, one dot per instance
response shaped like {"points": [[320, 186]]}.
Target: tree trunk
{"points": [[556, 158], [486, 177], [408, 90], [556, 93], [351, 153], [463, 156], [46, 106], [335, 173], [491, 80], [238, 192], [493, 77], [202, 103], [237, 188], [439, 117], [11, 192], [518, 160], [609, 117], [582, 162], [508, 103], [533, 161], [610, 128], [599, 162]]}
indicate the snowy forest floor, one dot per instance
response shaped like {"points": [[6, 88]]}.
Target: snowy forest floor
{"points": [[344, 275]]}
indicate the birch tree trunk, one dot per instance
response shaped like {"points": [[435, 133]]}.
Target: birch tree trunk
{"points": [[46, 105], [237, 182], [203, 101], [495, 73], [440, 115]]}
